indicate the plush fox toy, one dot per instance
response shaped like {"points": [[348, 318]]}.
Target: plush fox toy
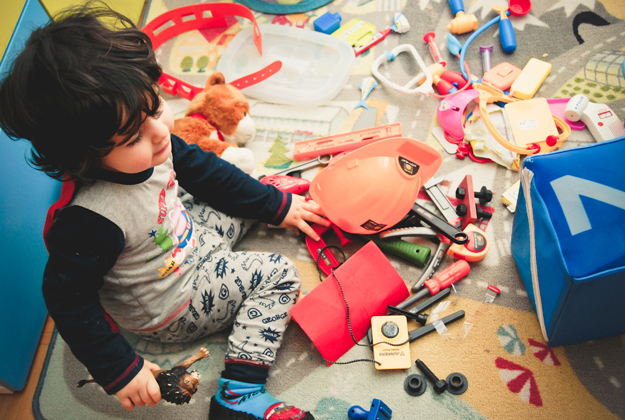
{"points": [[218, 121]]}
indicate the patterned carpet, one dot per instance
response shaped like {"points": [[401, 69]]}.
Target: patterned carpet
{"points": [[499, 347]]}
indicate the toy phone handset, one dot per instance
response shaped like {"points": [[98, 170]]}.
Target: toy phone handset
{"points": [[599, 118]]}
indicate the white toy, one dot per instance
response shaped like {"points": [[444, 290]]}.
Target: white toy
{"points": [[599, 118]]}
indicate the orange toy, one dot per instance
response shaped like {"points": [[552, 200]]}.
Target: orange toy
{"points": [[490, 94], [218, 121], [372, 188]]}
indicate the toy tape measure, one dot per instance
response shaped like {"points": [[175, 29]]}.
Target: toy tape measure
{"points": [[198, 16], [490, 94]]}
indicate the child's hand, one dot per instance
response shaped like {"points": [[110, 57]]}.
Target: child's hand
{"points": [[142, 390], [302, 211]]}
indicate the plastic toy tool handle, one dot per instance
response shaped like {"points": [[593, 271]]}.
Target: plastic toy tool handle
{"points": [[418, 254], [456, 6], [506, 35], [448, 276]]}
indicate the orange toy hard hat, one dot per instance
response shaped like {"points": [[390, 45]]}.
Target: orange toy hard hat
{"points": [[372, 188]]}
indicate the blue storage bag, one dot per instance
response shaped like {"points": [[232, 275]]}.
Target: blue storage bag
{"points": [[568, 240]]}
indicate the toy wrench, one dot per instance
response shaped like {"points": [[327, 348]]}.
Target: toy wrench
{"points": [[451, 232]]}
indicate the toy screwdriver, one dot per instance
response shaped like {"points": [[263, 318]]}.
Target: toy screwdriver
{"points": [[443, 280]]}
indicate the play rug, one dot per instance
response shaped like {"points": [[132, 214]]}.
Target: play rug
{"points": [[497, 346]]}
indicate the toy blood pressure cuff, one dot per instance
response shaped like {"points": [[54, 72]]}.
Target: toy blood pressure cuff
{"points": [[568, 241], [372, 188]]}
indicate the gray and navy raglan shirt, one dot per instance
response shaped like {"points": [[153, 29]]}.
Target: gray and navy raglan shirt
{"points": [[126, 246]]}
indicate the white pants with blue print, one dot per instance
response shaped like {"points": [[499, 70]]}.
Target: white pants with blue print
{"points": [[250, 291]]}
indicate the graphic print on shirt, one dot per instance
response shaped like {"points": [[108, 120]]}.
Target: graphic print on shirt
{"points": [[182, 234]]}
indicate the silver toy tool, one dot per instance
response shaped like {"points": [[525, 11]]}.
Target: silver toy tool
{"points": [[319, 161]]}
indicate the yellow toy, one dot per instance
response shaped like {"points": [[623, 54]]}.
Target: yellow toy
{"points": [[356, 32], [489, 95], [532, 76]]}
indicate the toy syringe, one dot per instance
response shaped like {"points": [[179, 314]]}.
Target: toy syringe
{"points": [[400, 26]]}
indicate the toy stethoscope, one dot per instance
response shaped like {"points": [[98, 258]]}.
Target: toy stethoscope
{"points": [[506, 33], [199, 16], [490, 94], [408, 88], [425, 78]]}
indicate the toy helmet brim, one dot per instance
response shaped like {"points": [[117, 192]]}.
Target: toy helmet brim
{"points": [[372, 188]]}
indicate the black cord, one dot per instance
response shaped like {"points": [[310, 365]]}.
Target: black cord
{"points": [[349, 324], [320, 254]]}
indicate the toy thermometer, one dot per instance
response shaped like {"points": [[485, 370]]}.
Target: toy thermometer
{"points": [[599, 118]]}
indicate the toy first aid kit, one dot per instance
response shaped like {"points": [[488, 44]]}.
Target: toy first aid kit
{"points": [[568, 241]]}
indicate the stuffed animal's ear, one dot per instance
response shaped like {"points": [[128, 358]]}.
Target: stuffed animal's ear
{"points": [[216, 78]]}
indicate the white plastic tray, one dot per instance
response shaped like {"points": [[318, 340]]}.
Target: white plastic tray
{"points": [[315, 66]]}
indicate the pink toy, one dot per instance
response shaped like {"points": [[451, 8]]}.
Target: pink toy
{"points": [[434, 51], [558, 106], [451, 110]]}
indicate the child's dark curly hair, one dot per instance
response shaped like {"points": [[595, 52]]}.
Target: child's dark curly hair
{"points": [[77, 83]]}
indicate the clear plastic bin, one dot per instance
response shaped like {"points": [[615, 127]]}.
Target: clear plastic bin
{"points": [[315, 66]]}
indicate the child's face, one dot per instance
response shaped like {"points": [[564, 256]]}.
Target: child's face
{"points": [[148, 148]]}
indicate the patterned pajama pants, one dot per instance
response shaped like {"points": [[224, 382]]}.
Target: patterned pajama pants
{"points": [[250, 291]]}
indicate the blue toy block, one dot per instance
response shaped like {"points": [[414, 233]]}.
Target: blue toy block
{"points": [[327, 23]]}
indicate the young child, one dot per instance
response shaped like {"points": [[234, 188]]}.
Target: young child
{"points": [[124, 243]]}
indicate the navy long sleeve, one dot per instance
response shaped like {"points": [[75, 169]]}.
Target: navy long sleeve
{"points": [[232, 190], [84, 246]]}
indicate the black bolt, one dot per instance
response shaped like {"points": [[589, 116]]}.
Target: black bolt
{"points": [[422, 318], [485, 195], [440, 385], [481, 214], [461, 210]]}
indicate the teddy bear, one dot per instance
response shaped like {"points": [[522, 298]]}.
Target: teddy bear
{"points": [[218, 121]]}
